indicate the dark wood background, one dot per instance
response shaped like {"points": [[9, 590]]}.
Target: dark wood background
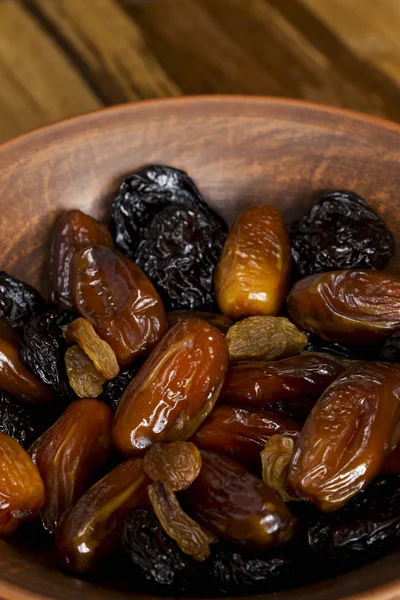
{"points": [[59, 58]]}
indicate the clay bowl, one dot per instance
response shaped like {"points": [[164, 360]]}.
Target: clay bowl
{"points": [[240, 151]]}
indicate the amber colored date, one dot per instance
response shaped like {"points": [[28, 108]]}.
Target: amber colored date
{"points": [[241, 433], [73, 231], [353, 306], [90, 531], [70, 454], [253, 272], [174, 390], [120, 301], [348, 435], [221, 322], [8, 333], [235, 504], [22, 490], [391, 466], [15, 378], [267, 384]]}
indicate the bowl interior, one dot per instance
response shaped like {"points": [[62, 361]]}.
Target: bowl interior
{"points": [[239, 151]]}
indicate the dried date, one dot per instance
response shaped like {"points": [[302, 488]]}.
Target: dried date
{"points": [[18, 300], [113, 390], [221, 322], [16, 421], [178, 464], [8, 333]]}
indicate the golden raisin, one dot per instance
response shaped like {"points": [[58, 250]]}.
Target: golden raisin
{"points": [[178, 464], [275, 459], [83, 376]]}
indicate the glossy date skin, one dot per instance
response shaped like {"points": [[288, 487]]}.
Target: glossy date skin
{"points": [[242, 433], [236, 505], [253, 271], [120, 302], [174, 390], [221, 322], [348, 435], [90, 531], [353, 306], [70, 454]]}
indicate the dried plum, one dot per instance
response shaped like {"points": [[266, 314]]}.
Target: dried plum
{"points": [[16, 421], [391, 349], [18, 300], [144, 194], [113, 390], [340, 232], [43, 347], [178, 252], [317, 344]]}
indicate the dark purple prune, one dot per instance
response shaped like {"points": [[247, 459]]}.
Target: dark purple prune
{"points": [[340, 232], [179, 252], [391, 349], [113, 389], [16, 421], [144, 194], [18, 300], [317, 344], [43, 347]]}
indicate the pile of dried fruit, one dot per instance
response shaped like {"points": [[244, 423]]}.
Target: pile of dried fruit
{"points": [[225, 452]]}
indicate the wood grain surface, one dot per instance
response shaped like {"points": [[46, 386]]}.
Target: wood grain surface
{"points": [[59, 58]]}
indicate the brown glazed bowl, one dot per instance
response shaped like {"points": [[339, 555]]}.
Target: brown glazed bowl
{"points": [[240, 150]]}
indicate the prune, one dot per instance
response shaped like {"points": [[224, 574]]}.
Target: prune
{"points": [[349, 433], [178, 464], [175, 389], [221, 322], [103, 356], [43, 347], [241, 433], [84, 378], [119, 300], [70, 455], [18, 300], [236, 505], [144, 194], [340, 232], [16, 421], [267, 384], [179, 252], [264, 338], [346, 352], [90, 531], [73, 231], [113, 390], [22, 490], [391, 348], [252, 275], [275, 458]]}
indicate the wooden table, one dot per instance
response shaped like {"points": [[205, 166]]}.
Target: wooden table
{"points": [[59, 58]]}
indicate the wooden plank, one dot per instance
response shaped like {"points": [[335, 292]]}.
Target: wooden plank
{"points": [[108, 47], [38, 82]]}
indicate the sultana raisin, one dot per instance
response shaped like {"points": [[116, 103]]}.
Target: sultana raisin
{"points": [[178, 464], [84, 378]]}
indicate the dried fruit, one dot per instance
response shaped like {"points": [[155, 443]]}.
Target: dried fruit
{"points": [[113, 390], [16, 421], [275, 458], [71, 454], [72, 231], [90, 531], [235, 504], [144, 194], [221, 322], [83, 376], [391, 348], [43, 347], [346, 352], [267, 384], [242, 433], [348, 435], [178, 464], [340, 232], [391, 466], [119, 300], [175, 389], [179, 252], [18, 300], [22, 490], [253, 272], [191, 538], [264, 338], [100, 353], [8, 333], [354, 307]]}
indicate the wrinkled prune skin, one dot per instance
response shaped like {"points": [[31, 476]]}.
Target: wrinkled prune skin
{"points": [[178, 252], [340, 232], [43, 347], [391, 348], [113, 390], [317, 344], [18, 300], [144, 194], [16, 421]]}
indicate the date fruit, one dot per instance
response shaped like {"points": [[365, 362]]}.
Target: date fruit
{"points": [[70, 455], [18, 300], [275, 458], [84, 378], [236, 505], [73, 231], [221, 322], [252, 275], [178, 464], [175, 389], [90, 530], [113, 390], [16, 421], [355, 307], [119, 300], [8, 333], [22, 490], [348, 435]]}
